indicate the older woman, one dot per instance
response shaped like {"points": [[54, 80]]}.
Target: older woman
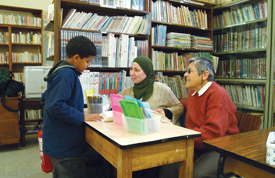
{"points": [[158, 95], [209, 110]]}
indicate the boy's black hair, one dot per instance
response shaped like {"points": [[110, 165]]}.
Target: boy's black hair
{"points": [[80, 45]]}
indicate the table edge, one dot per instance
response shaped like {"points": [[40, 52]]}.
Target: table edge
{"points": [[143, 143], [249, 161]]}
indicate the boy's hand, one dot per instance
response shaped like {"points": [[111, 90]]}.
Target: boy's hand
{"points": [[93, 117]]}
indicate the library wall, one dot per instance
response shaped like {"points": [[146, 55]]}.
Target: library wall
{"points": [[36, 4]]}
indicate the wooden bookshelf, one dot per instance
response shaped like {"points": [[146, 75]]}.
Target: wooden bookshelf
{"points": [[16, 28], [94, 8], [244, 63], [66, 5], [33, 15], [28, 104], [162, 16]]}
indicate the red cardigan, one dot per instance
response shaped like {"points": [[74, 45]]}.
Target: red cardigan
{"points": [[212, 114]]}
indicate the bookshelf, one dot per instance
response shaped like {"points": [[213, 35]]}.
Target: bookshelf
{"points": [[242, 40], [122, 13], [271, 114], [101, 10], [21, 38], [174, 24], [33, 108], [21, 44]]}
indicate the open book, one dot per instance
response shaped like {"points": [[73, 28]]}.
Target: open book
{"points": [[107, 115]]}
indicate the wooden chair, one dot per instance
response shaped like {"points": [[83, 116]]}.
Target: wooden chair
{"points": [[248, 122]]}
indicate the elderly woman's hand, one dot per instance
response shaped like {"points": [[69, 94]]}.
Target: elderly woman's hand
{"points": [[160, 111]]}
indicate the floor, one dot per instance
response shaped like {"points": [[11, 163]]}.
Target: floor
{"points": [[22, 162]]}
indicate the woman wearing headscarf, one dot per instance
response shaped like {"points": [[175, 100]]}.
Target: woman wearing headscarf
{"points": [[158, 95]]}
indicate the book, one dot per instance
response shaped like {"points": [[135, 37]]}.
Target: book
{"points": [[107, 116], [68, 17], [50, 13]]}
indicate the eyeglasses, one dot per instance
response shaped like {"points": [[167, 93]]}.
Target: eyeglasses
{"points": [[189, 71]]}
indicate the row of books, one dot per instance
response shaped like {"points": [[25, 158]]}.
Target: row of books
{"points": [[28, 38], [164, 11], [176, 83], [113, 83], [133, 4], [174, 61], [4, 58], [96, 38], [4, 37], [18, 76], [26, 57], [248, 95], [241, 13], [118, 24], [104, 82], [121, 51], [242, 68], [112, 51], [20, 20], [252, 36], [33, 114], [179, 40]]}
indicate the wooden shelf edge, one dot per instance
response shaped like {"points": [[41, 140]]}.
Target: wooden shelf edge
{"points": [[33, 120], [27, 44], [180, 25], [240, 24], [206, 2], [228, 4]]}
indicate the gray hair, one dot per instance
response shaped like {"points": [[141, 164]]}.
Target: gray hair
{"points": [[203, 64]]}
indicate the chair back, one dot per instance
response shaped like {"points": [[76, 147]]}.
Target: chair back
{"points": [[248, 122]]}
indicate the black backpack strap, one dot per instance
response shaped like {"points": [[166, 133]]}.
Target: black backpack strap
{"points": [[3, 98]]}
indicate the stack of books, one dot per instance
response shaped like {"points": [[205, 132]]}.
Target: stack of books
{"points": [[178, 40], [201, 42]]}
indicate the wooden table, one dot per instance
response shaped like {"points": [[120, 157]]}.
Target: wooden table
{"points": [[128, 151], [243, 154]]}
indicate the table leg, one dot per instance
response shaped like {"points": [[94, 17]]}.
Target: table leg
{"points": [[186, 167], [124, 166], [221, 166]]}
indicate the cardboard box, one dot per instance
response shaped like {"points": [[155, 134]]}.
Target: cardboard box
{"points": [[270, 146]]}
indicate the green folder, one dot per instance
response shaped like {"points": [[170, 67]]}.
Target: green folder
{"points": [[131, 109]]}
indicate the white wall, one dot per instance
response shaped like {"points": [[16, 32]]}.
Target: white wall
{"points": [[34, 4]]}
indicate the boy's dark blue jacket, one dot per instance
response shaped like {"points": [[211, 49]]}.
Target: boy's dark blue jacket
{"points": [[63, 126]]}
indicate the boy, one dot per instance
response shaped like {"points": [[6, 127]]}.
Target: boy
{"points": [[63, 121]]}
